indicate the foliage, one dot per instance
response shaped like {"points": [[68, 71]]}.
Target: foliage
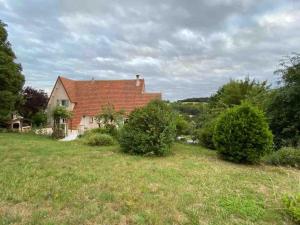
{"points": [[182, 125], [111, 130], [11, 78], [39, 119], [205, 134], [35, 101], [242, 134], [149, 130], [284, 157], [284, 108], [237, 91], [109, 117], [292, 205], [98, 139], [201, 99], [188, 109], [59, 113]]}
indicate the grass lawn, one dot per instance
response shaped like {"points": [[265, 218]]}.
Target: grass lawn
{"points": [[43, 181]]}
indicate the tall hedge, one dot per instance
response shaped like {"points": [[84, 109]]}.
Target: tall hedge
{"points": [[242, 134], [150, 130]]}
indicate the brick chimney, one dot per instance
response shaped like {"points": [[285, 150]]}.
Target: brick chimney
{"points": [[137, 80]]}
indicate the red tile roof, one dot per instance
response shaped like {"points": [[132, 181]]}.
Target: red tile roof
{"points": [[90, 96]]}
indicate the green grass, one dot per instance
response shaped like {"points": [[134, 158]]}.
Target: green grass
{"points": [[43, 181]]}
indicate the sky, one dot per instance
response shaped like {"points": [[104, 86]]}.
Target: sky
{"points": [[181, 48]]}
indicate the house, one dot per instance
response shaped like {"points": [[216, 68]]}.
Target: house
{"points": [[86, 98]]}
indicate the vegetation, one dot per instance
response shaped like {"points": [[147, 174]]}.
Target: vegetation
{"points": [[35, 103], [182, 125], [205, 134], [284, 105], [292, 204], [11, 78], [110, 130], [149, 130], [284, 157], [98, 139], [110, 118], [201, 99], [237, 91], [43, 181], [242, 134], [60, 113]]}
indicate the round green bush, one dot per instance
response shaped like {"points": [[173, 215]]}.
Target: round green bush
{"points": [[98, 139], [150, 130], [242, 134]]}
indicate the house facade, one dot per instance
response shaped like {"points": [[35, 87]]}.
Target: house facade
{"points": [[86, 98]]}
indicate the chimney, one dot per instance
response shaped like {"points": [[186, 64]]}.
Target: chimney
{"points": [[137, 80]]}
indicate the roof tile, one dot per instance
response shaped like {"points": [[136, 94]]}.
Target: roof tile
{"points": [[90, 96]]}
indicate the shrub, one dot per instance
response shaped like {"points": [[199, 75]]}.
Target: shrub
{"points": [[242, 134], [149, 130], [182, 126], [292, 205], [39, 119], [284, 157], [111, 130], [98, 139], [205, 135]]}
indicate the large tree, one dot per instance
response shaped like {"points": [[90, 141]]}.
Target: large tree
{"points": [[284, 106], [34, 101], [34, 105], [11, 78], [237, 91]]}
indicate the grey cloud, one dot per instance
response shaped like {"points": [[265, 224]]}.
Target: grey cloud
{"points": [[182, 48]]}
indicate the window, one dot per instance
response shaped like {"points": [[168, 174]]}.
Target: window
{"points": [[65, 102], [91, 119]]}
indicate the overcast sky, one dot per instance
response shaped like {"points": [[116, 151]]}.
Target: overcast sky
{"points": [[182, 48]]}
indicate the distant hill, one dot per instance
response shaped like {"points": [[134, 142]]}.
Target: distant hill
{"points": [[201, 99]]}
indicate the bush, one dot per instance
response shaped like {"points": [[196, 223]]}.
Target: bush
{"points": [[39, 119], [182, 126], [98, 139], [111, 130], [284, 157], [242, 134], [205, 135], [149, 130], [292, 204]]}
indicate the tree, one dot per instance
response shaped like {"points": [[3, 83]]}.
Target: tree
{"points": [[284, 107], [236, 91], [229, 95], [11, 78], [35, 102]]}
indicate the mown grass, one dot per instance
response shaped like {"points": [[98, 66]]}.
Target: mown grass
{"points": [[43, 181]]}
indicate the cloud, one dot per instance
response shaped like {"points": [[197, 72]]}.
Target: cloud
{"points": [[182, 48]]}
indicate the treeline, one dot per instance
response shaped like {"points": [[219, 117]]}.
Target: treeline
{"points": [[200, 99]]}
